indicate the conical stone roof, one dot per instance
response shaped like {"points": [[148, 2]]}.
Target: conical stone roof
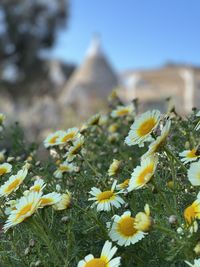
{"points": [[94, 78]]}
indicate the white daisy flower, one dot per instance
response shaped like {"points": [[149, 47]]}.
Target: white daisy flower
{"points": [[64, 203], [67, 136], [142, 128], [65, 167], [38, 185], [106, 199], [13, 182], [51, 139], [5, 168], [105, 259], [50, 199], [196, 263], [189, 155], [123, 230], [194, 173], [75, 149], [122, 111], [160, 140], [142, 174], [192, 212], [24, 208]]}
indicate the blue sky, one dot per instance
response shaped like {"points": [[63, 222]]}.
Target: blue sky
{"points": [[134, 33]]}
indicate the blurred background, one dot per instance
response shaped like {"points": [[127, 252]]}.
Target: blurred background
{"points": [[60, 59]]}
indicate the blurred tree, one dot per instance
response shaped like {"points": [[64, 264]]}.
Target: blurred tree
{"points": [[26, 28]]}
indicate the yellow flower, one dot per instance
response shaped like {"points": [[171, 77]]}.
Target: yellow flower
{"points": [[192, 212], [114, 167], [24, 208], [5, 168], [123, 185], [104, 200], [13, 183], [189, 155], [67, 136], [75, 149], [123, 230], [50, 199], [113, 128], [142, 128], [105, 259], [194, 173], [160, 140], [143, 220], [122, 111], [142, 174], [64, 203], [52, 139], [38, 185], [65, 167]]}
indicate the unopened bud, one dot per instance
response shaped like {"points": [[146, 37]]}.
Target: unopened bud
{"points": [[197, 248], [172, 219], [65, 219]]}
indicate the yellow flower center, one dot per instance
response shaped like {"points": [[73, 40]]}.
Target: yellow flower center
{"points": [[46, 201], [122, 112], [12, 186], [3, 170], [64, 168], [125, 183], [53, 139], [97, 262], [126, 226], [189, 214], [106, 195], [142, 178], [36, 188], [68, 137], [146, 127], [192, 153], [24, 210]]}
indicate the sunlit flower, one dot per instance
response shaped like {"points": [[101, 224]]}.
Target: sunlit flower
{"points": [[65, 167], [24, 208], [50, 199], [196, 263], [143, 220], [160, 140], [64, 203], [194, 173], [142, 127], [51, 139], [5, 168], [75, 149], [192, 212], [122, 111], [67, 136], [105, 259], [114, 167], [106, 199], [142, 174], [13, 183], [189, 155], [123, 185], [123, 230], [38, 185]]}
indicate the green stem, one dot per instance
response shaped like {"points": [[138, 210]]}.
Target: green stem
{"points": [[94, 219], [170, 153]]}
